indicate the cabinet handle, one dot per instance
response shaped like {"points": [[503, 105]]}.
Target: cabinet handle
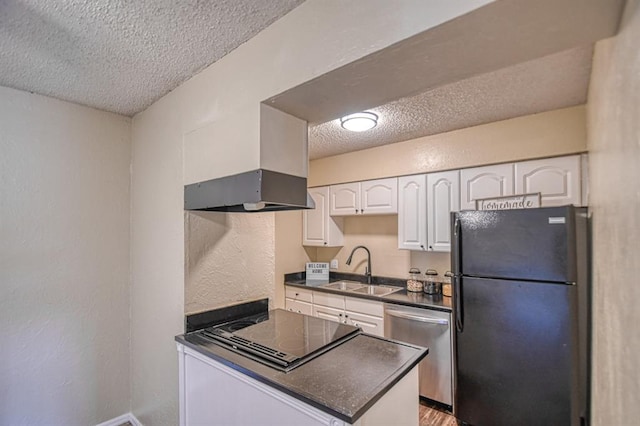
{"points": [[422, 246], [356, 324], [325, 243], [356, 211], [430, 247], [297, 294], [362, 211]]}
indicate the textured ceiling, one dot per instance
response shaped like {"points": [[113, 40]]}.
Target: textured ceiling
{"points": [[120, 55], [555, 81]]}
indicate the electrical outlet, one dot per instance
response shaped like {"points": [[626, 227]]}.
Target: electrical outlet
{"points": [[334, 264]]}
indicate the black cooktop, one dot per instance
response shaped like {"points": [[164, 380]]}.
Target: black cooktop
{"points": [[279, 338]]}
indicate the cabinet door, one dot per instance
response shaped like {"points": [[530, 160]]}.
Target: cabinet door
{"points": [[368, 323], [298, 306], [379, 196], [314, 224], [318, 228], [412, 212], [443, 197], [484, 182], [556, 179], [331, 314], [363, 306], [297, 293], [345, 199]]}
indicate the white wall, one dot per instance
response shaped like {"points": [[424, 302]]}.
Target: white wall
{"points": [[221, 253], [614, 154], [64, 262], [208, 127], [157, 262]]}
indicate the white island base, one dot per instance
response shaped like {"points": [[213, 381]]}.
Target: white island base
{"points": [[213, 394]]}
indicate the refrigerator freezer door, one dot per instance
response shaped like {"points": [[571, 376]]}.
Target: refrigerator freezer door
{"points": [[529, 244], [516, 357]]}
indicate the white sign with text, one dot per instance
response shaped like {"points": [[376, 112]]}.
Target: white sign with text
{"points": [[509, 202]]}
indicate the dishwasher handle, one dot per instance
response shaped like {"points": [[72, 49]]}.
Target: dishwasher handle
{"points": [[404, 315]]}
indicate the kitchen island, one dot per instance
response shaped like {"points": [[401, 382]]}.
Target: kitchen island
{"points": [[363, 380]]}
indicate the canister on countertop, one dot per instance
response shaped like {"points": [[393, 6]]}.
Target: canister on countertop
{"points": [[446, 284], [414, 282], [432, 284]]}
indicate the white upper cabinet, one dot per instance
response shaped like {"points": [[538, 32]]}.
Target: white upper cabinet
{"points": [[318, 228], [412, 212], [485, 182], [378, 196], [556, 179], [443, 197], [345, 199]]}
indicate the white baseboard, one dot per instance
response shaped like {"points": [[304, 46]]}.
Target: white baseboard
{"points": [[117, 421]]}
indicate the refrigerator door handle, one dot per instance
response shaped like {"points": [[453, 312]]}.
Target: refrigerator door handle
{"points": [[457, 304], [456, 240], [456, 260]]}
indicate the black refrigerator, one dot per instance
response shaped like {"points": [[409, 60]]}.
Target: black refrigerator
{"points": [[521, 304]]}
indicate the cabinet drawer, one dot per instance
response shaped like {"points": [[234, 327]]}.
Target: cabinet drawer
{"points": [[299, 306], [368, 324], [328, 299], [296, 293], [363, 306]]}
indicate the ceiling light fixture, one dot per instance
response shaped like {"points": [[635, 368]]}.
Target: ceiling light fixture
{"points": [[359, 122]]}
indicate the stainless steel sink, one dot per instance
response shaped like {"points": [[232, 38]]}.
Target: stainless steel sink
{"points": [[377, 290], [356, 287], [344, 285]]}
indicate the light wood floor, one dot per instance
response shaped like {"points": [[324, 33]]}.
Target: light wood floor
{"points": [[430, 416]]}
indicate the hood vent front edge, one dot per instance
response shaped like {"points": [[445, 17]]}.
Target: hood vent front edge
{"points": [[254, 191]]}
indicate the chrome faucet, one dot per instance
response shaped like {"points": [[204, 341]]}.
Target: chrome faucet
{"points": [[367, 271]]}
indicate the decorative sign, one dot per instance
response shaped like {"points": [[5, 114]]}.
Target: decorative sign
{"points": [[521, 201], [318, 271]]}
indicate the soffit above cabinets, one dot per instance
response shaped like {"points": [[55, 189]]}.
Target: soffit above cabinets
{"points": [[555, 81], [121, 56], [502, 60]]}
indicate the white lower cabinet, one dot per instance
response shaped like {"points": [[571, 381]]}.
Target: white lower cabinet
{"points": [[365, 314], [369, 324], [328, 313], [298, 300], [299, 307], [212, 393]]}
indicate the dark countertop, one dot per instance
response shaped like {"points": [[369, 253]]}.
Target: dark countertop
{"points": [[343, 382], [403, 297]]}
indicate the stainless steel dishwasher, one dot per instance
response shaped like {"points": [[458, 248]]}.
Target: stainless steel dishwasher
{"points": [[430, 329]]}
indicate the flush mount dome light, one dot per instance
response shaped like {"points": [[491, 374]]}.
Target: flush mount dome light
{"points": [[359, 122]]}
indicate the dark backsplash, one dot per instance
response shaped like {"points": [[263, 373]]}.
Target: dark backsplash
{"points": [[206, 319]]}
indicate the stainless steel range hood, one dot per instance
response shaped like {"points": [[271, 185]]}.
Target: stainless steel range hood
{"points": [[279, 182], [257, 190]]}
